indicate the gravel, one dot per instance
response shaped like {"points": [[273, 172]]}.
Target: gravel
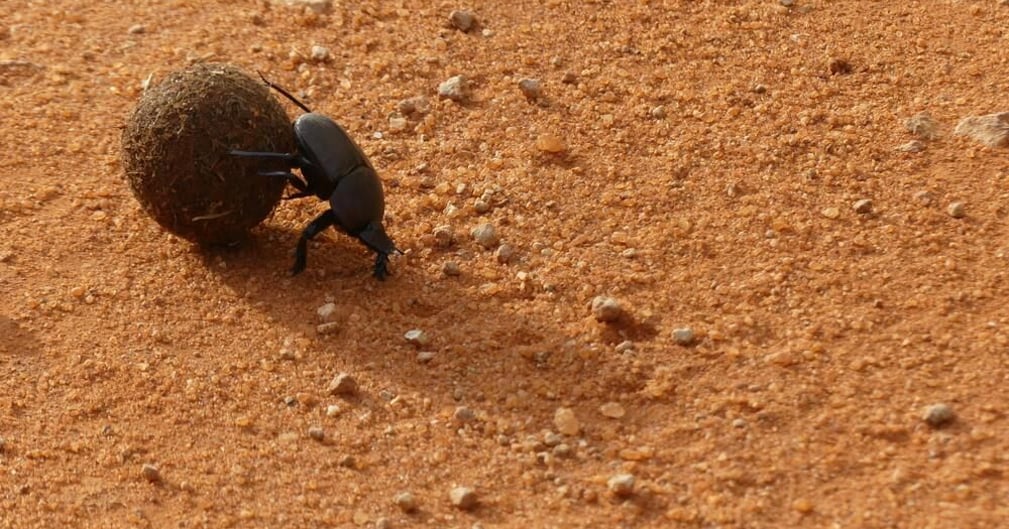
{"points": [[417, 337], [938, 415], [406, 502], [462, 20], [463, 498], [683, 336], [504, 253], [319, 53], [606, 309], [566, 422], [621, 485], [317, 433], [957, 210], [150, 473], [451, 269], [486, 235], [531, 88], [342, 384], [863, 206], [326, 312], [453, 88], [613, 410]]}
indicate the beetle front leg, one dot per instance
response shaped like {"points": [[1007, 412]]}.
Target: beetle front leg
{"points": [[292, 179], [314, 228], [292, 160]]}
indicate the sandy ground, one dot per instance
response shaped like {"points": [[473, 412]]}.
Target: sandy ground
{"points": [[714, 154]]}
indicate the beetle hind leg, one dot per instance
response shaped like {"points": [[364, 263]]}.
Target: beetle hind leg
{"points": [[317, 226]]}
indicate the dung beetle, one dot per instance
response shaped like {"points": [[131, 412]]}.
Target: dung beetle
{"points": [[336, 170]]}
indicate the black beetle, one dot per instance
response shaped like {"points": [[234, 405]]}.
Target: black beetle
{"points": [[335, 169]]}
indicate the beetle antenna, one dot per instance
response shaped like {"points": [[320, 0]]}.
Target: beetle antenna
{"points": [[285, 92]]}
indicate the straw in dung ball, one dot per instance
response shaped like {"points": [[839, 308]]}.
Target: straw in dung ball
{"points": [[175, 149]]}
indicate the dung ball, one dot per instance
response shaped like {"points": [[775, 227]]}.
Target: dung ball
{"points": [[176, 152]]}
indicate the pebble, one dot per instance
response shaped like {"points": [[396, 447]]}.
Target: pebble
{"points": [[552, 439], [3, 444], [451, 269], [464, 415], [831, 212], [425, 357], [566, 422], [486, 235], [462, 20], [137, 29], [319, 7], [625, 346], [613, 410], [658, 112], [550, 143], [531, 88], [621, 485], [787, 3], [317, 433], [863, 206], [991, 130], [397, 123], [683, 336], [444, 236], [569, 78], [333, 410], [606, 309], [481, 206], [406, 502], [342, 384], [923, 126], [912, 146], [416, 337], [414, 105], [453, 88], [957, 210], [504, 253], [326, 312], [938, 415], [320, 53], [463, 498], [330, 327], [150, 473]]}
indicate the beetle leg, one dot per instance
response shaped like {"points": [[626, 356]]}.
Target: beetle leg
{"points": [[314, 228], [292, 160], [374, 237], [295, 182]]}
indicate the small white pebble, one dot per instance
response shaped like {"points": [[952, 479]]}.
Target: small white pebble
{"points": [[683, 336], [406, 502], [416, 337], [330, 327], [425, 357], [606, 309], [326, 312], [333, 410], [613, 410], [566, 422], [453, 88], [938, 415], [658, 112], [863, 206], [957, 210], [320, 53], [621, 485], [137, 29], [463, 498]]}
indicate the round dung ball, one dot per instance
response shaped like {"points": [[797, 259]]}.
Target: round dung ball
{"points": [[176, 152]]}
